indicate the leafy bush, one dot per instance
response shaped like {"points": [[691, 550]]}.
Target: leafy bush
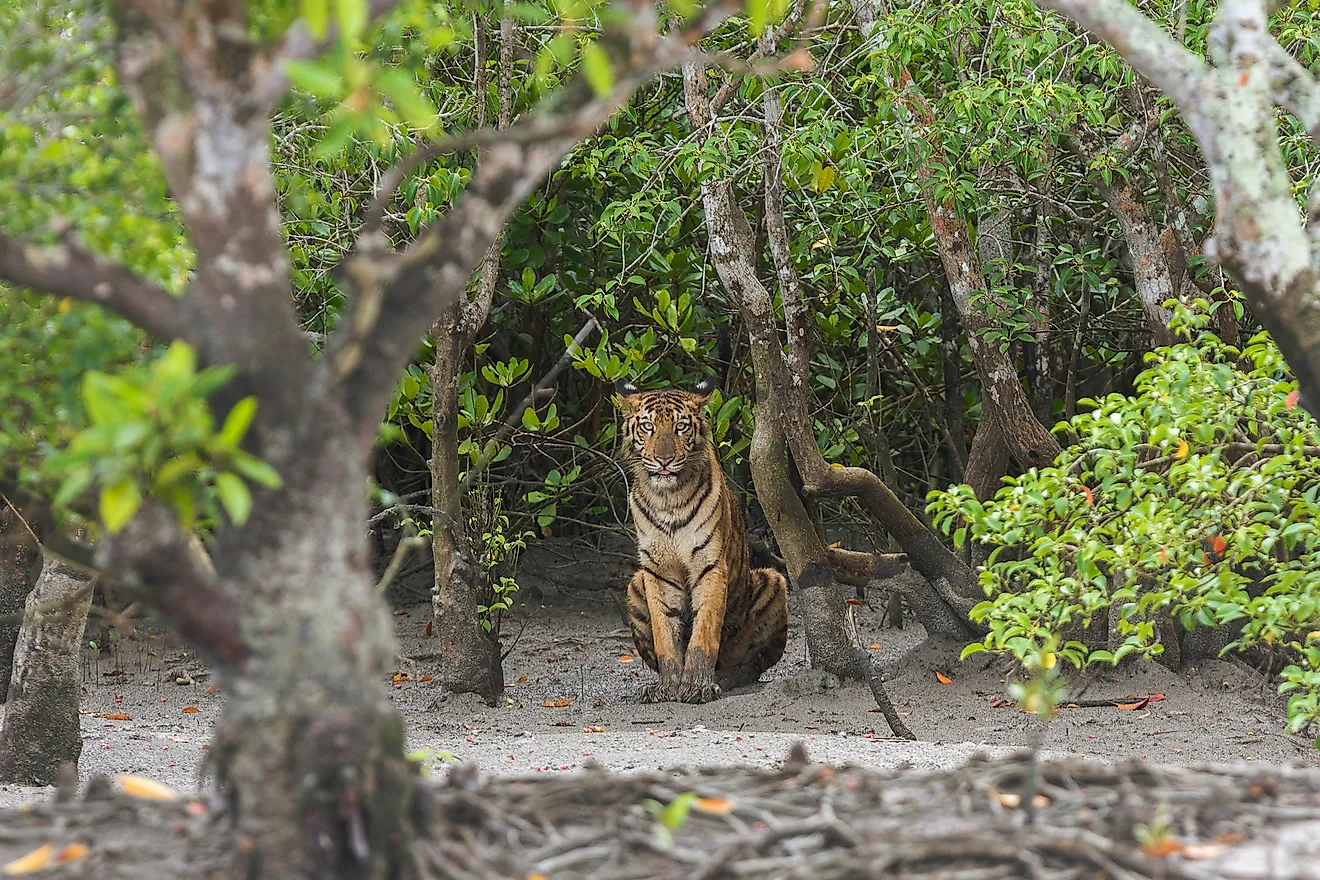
{"points": [[1196, 498], [152, 433]]}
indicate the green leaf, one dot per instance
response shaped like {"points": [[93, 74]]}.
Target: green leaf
{"points": [[176, 469], [530, 420], [237, 422], [315, 77], [119, 501], [317, 15], [74, 485], [415, 108], [352, 15], [597, 69], [257, 471], [758, 15], [235, 497], [335, 139]]}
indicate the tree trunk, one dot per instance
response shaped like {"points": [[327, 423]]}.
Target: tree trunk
{"points": [[1152, 276], [1002, 395], [41, 729], [951, 358], [469, 655], [310, 748], [18, 557], [1038, 353]]}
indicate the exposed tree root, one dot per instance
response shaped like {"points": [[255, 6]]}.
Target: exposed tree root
{"points": [[804, 820]]}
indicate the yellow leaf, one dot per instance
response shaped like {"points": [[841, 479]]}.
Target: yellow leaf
{"points": [[190, 710], [824, 242], [30, 863], [835, 464], [66, 304], [145, 789], [72, 852], [1050, 660], [715, 806], [537, 877], [1183, 449], [425, 678], [593, 729], [116, 716], [886, 328], [874, 646], [402, 676]]}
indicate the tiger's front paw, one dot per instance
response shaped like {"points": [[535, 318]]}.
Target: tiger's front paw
{"points": [[698, 691], [660, 692]]}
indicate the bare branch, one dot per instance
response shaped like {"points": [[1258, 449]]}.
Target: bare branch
{"points": [[397, 295], [68, 269], [1293, 88]]}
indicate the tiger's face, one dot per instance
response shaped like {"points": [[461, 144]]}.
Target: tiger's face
{"points": [[665, 430]]}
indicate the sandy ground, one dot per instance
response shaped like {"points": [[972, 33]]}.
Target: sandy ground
{"points": [[571, 646]]}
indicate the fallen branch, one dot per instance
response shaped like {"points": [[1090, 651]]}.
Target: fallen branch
{"points": [[873, 678]]}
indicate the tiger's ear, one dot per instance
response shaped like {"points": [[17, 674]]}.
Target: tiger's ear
{"points": [[705, 388], [623, 391]]}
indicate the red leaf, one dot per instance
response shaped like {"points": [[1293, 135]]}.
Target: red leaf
{"points": [[1293, 396], [428, 628], [1130, 707], [1090, 496], [1217, 544], [117, 716], [943, 679], [190, 710]]}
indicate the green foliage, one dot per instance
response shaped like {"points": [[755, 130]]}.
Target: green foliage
{"points": [[497, 549], [1195, 498], [669, 817], [152, 434]]}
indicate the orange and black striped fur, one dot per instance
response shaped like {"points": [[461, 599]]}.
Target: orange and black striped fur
{"points": [[699, 614]]}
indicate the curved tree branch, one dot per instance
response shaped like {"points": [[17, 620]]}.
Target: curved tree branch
{"points": [[70, 270]]}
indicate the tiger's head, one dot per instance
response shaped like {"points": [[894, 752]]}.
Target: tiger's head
{"points": [[665, 430]]}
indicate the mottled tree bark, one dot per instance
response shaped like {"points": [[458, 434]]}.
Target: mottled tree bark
{"points": [[40, 729], [18, 558]]}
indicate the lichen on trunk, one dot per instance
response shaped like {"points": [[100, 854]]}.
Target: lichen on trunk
{"points": [[40, 729]]}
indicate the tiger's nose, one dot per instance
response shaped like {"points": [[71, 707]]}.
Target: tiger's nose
{"points": [[664, 462]]}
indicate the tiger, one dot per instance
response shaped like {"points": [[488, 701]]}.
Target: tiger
{"points": [[700, 616]]}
